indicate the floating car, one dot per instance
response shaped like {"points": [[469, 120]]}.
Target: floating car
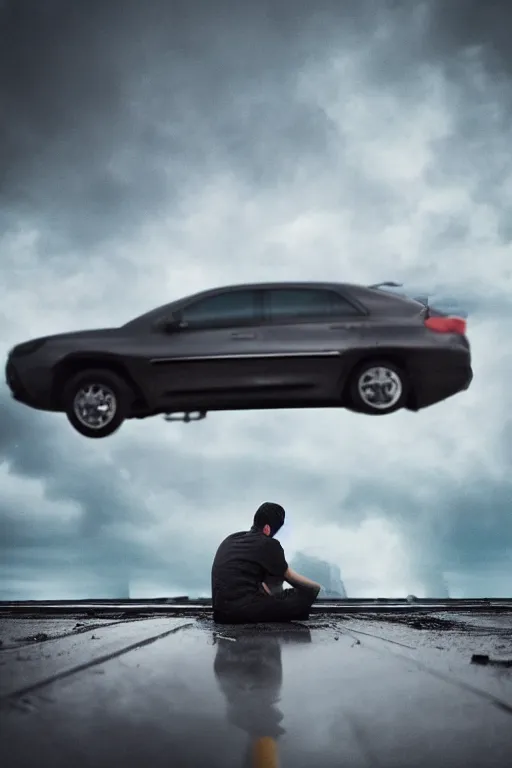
{"points": [[261, 346]]}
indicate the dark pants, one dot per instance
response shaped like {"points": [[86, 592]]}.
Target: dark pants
{"points": [[282, 606]]}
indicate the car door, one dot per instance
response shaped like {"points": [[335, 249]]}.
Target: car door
{"points": [[209, 356], [307, 331]]}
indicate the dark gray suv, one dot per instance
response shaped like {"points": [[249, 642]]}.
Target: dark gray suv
{"points": [[271, 345]]}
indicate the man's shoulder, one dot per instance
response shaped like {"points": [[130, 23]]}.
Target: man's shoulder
{"points": [[270, 543], [232, 538], [237, 535], [252, 539]]}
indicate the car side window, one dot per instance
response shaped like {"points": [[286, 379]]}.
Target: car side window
{"points": [[307, 304], [226, 309]]}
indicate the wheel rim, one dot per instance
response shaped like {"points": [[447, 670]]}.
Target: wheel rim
{"points": [[380, 388], [95, 406]]}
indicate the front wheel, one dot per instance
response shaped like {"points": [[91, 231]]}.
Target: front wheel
{"points": [[378, 387], [96, 402]]}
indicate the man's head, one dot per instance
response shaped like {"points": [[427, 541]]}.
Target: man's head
{"points": [[269, 518]]}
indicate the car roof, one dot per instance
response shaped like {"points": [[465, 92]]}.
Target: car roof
{"points": [[176, 303], [371, 296], [274, 285]]}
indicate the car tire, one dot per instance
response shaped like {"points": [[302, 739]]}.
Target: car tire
{"points": [[378, 387], [106, 390]]}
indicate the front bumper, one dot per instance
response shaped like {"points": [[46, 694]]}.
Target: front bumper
{"points": [[31, 386]]}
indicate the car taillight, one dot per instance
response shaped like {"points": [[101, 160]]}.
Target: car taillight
{"points": [[446, 324]]}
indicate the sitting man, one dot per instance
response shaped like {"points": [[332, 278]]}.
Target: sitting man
{"points": [[247, 575]]}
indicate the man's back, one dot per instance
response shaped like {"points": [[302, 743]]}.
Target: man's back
{"points": [[243, 565], [240, 566]]}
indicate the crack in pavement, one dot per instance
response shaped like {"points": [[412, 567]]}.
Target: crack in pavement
{"points": [[13, 696]]}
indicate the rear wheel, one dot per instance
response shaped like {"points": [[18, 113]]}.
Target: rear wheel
{"points": [[378, 387], [96, 402]]}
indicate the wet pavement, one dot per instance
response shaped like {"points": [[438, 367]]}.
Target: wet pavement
{"points": [[92, 687]]}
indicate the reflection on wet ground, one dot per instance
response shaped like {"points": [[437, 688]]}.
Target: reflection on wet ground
{"points": [[249, 670], [90, 687]]}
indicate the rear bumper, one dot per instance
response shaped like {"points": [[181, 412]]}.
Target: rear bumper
{"points": [[437, 384]]}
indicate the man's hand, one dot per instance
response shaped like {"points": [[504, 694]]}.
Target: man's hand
{"points": [[296, 580]]}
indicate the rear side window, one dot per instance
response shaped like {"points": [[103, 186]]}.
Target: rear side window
{"points": [[306, 304], [223, 309]]}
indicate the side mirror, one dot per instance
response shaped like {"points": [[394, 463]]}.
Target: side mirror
{"points": [[171, 323]]}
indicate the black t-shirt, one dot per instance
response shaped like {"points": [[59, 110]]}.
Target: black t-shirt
{"points": [[241, 564]]}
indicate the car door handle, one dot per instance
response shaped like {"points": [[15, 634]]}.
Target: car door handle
{"points": [[243, 335]]}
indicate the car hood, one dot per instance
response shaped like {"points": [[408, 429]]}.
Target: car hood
{"points": [[141, 684], [95, 333]]}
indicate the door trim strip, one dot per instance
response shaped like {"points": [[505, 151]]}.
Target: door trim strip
{"points": [[242, 356]]}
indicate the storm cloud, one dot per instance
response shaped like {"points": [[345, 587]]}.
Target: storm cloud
{"points": [[149, 150]]}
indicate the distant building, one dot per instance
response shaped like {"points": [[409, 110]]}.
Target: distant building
{"points": [[324, 573]]}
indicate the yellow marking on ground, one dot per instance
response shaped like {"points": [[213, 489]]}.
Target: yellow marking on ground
{"points": [[264, 753]]}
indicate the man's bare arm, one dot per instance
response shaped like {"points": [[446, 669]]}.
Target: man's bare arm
{"points": [[296, 580]]}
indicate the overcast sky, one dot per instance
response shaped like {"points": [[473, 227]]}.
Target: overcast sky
{"points": [[149, 149]]}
